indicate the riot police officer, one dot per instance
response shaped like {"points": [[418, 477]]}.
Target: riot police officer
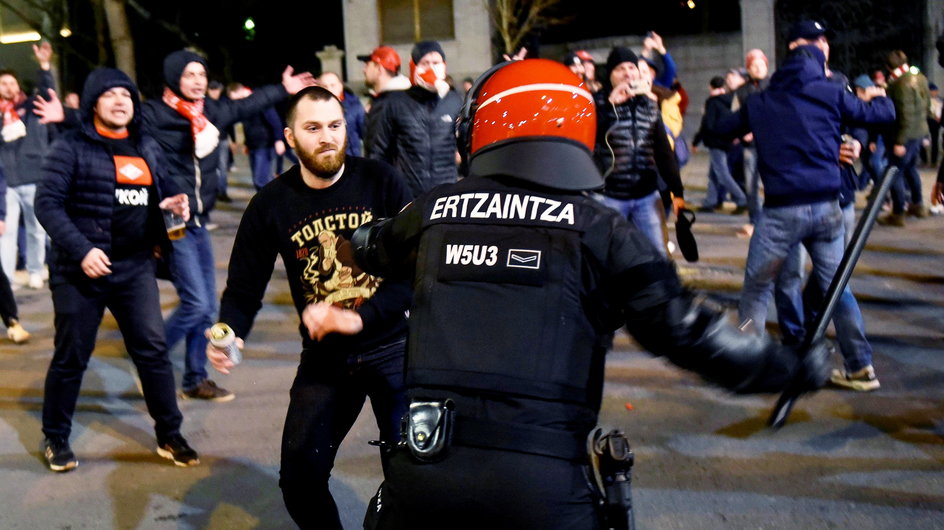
{"points": [[519, 278]]}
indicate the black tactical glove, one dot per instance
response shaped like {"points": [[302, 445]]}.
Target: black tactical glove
{"points": [[812, 370]]}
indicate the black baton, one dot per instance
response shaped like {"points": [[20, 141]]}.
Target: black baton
{"points": [[778, 417]]}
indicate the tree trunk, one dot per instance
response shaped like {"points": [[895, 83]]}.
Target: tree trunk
{"points": [[121, 42]]}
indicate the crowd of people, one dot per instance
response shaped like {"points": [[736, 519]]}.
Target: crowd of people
{"points": [[397, 311]]}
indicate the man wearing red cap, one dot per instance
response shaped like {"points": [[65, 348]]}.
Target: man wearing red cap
{"points": [[382, 72], [414, 130]]}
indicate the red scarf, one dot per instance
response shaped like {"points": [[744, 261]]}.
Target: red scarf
{"points": [[13, 127], [8, 108], [192, 110]]}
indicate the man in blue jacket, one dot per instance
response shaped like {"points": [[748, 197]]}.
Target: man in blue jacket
{"points": [[187, 126], [99, 198], [354, 115], [796, 125]]}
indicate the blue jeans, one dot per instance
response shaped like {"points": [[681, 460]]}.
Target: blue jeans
{"points": [[752, 183], [720, 181], [260, 160], [21, 198], [644, 214], [327, 396], [907, 187], [192, 270], [819, 227], [796, 304]]}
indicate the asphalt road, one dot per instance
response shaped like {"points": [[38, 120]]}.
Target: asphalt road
{"points": [[703, 457]]}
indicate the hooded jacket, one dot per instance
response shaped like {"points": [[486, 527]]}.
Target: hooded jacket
{"points": [[195, 176], [76, 195], [796, 123]]}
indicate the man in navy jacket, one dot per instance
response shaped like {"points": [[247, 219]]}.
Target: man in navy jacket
{"points": [[796, 125]]}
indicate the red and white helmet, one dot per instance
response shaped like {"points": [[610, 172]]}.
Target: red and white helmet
{"points": [[532, 120]]}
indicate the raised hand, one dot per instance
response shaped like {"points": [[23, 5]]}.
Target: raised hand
{"points": [[293, 82], [49, 111], [43, 54]]}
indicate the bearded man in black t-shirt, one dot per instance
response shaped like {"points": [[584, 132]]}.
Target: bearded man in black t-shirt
{"points": [[99, 199], [353, 325]]}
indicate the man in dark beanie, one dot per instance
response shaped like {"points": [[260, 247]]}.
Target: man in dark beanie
{"points": [[632, 148], [187, 128], [100, 195], [414, 130]]}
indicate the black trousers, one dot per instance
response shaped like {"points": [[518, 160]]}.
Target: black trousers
{"points": [[483, 488], [8, 311], [327, 396], [130, 293]]}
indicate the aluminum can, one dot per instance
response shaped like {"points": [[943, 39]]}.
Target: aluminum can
{"points": [[224, 338]]}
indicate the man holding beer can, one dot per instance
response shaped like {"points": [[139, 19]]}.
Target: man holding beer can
{"points": [[100, 200], [353, 325]]}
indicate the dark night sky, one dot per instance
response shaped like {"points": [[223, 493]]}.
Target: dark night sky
{"points": [[289, 32], [283, 35]]}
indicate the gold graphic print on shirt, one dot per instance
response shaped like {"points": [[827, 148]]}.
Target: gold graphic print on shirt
{"points": [[330, 274]]}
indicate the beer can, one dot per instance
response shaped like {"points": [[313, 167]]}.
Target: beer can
{"points": [[224, 338]]}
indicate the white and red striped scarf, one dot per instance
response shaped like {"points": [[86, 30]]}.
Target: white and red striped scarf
{"points": [[205, 135], [898, 72], [13, 126]]}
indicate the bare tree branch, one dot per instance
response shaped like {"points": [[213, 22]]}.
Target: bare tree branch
{"points": [[515, 19]]}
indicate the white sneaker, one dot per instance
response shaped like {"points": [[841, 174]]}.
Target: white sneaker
{"points": [[863, 380], [35, 281]]}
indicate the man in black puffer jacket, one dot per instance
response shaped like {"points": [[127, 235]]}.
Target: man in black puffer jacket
{"points": [[186, 126], [416, 130], [99, 199], [632, 149]]}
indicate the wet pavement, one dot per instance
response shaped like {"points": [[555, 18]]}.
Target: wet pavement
{"points": [[703, 457]]}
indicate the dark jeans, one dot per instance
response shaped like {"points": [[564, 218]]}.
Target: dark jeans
{"points": [[223, 170], [907, 186], [260, 161], [720, 181], [328, 394], [280, 160], [130, 293]]}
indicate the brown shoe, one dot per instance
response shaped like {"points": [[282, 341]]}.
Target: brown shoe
{"points": [[207, 390], [919, 210], [892, 219], [16, 333]]}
